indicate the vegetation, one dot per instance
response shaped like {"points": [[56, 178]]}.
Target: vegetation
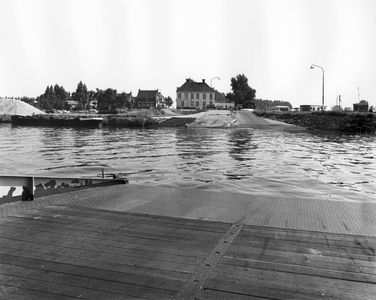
{"points": [[265, 104], [169, 101], [331, 120], [53, 98], [359, 123], [242, 94]]}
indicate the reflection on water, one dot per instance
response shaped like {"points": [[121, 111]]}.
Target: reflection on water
{"points": [[261, 161], [241, 145]]}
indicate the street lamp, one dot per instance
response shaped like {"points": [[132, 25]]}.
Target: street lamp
{"points": [[213, 79], [312, 67]]}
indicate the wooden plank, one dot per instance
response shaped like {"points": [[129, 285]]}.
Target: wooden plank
{"points": [[303, 259], [81, 215], [353, 244], [75, 211], [323, 239], [181, 243], [88, 243], [18, 293], [283, 233], [117, 292], [76, 257], [256, 290], [208, 294], [307, 248], [38, 225], [309, 286], [94, 250], [245, 267], [90, 279], [92, 267]]}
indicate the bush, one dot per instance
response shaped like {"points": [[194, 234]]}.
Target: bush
{"points": [[360, 123]]}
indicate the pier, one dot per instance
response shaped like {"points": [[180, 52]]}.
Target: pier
{"points": [[149, 242]]}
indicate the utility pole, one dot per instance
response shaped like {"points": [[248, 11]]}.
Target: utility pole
{"points": [[358, 96]]}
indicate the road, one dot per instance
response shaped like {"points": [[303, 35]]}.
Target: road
{"points": [[249, 118]]}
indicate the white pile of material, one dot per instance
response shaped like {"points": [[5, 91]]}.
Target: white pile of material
{"points": [[17, 107]]}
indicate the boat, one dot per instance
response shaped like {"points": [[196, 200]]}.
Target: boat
{"points": [[42, 120]]}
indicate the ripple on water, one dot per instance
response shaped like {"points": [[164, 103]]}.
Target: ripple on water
{"points": [[267, 162]]}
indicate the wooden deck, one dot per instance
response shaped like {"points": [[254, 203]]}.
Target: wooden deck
{"points": [[68, 252]]}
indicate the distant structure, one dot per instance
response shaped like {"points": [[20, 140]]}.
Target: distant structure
{"points": [[70, 103], [311, 107], [194, 94], [149, 98], [337, 108], [361, 106], [279, 108]]}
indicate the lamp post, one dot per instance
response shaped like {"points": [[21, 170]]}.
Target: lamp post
{"points": [[213, 79], [312, 67]]}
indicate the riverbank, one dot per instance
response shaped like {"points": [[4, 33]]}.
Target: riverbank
{"points": [[351, 122]]}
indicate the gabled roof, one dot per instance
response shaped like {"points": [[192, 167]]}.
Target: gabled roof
{"points": [[193, 86], [147, 94]]}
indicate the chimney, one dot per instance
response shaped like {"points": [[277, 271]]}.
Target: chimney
{"points": [[203, 80]]}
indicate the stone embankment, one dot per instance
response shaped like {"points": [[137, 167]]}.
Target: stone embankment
{"points": [[351, 122]]}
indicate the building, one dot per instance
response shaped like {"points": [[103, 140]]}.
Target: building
{"points": [[195, 94], [361, 106], [148, 98], [70, 103], [280, 108], [311, 107]]}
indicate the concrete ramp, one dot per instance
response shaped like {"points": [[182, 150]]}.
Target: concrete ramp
{"points": [[249, 118]]}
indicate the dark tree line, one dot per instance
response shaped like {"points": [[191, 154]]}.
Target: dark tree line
{"points": [[55, 97], [265, 104]]}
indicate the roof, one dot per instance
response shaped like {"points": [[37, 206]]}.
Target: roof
{"points": [[71, 102], [362, 102], [193, 86], [147, 94]]}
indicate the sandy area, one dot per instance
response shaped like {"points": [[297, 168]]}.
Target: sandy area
{"points": [[17, 107]]}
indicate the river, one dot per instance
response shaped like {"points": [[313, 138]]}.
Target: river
{"points": [[268, 161]]}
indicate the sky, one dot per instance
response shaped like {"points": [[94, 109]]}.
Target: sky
{"points": [[156, 44]]}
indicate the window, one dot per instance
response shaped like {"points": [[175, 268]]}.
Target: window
{"points": [[192, 103], [179, 95], [204, 96], [186, 95], [211, 96], [192, 96], [197, 103], [197, 96], [182, 104]]}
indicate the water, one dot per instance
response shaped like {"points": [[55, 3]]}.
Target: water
{"points": [[254, 161]]}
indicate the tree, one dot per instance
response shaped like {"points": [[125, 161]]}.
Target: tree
{"points": [[242, 93], [81, 95], [169, 101], [106, 99], [53, 98], [121, 100]]}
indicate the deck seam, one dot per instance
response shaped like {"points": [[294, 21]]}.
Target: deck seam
{"points": [[195, 283]]}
